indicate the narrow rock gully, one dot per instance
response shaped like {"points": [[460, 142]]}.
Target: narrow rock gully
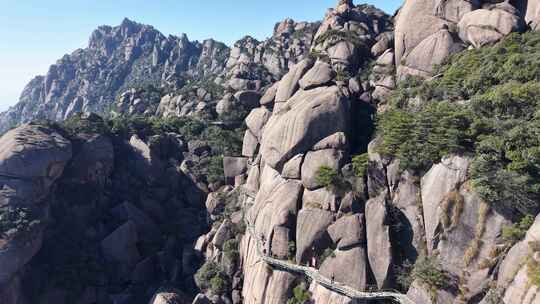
{"points": [[314, 275]]}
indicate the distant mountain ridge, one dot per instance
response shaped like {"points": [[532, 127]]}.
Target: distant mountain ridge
{"points": [[134, 55]]}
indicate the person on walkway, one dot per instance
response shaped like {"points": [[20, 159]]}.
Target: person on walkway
{"points": [[313, 258], [263, 243]]}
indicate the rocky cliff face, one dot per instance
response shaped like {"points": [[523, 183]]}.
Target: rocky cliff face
{"points": [[125, 211], [96, 218], [368, 219]]}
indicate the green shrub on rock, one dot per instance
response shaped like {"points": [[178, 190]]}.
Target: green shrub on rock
{"points": [[326, 176], [331, 179], [230, 249], [516, 232], [205, 274], [80, 124], [533, 271], [18, 219], [300, 295], [218, 285], [420, 138], [360, 164], [211, 277], [215, 170], [428, 271], [484, 103]]}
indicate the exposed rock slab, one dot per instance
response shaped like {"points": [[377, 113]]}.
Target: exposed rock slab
{"points": [[320, 74], [487, 26], [260, 281], [431, 51], [314, 160], [257, 119], [348, 267], [306, 118], [321, 198], [121, 245], [25, 185], [348, 231], [292, 168], [440, 180], [311, 232], [379, 247], [289, 83]]}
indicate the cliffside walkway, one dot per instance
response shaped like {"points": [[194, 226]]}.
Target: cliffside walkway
{"points": [[314, 275]]}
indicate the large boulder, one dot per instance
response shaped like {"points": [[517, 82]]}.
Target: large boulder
{"points": [[320, 74], [314, 160], [32, 158], [224, 106], [321, 198], [305, 119], [257, 119], [342, 54], [378, 239], [170, 297], [146, 227], [44, 146], [347, 267], [249, 99], [348, 231], [146, 161], [321, 294], [260, 281], [311, 232], [521, 290], [385, 41], [433, 50], [487, 26], [406, 198], [270, 95], [250, 144], [430, 16], [121, 245], [276, 205], [279, 242], [292, 168], [252, 184], [440, 180], [289, 83], [224, 233], [335, 141]]}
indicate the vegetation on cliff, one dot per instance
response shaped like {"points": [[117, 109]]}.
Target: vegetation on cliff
{"points": [[484, 103]]}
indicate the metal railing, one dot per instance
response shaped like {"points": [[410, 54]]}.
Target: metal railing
{"points": [[315, 276]]}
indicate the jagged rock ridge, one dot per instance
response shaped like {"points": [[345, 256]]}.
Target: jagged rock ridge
{"points": [[137, 57]]}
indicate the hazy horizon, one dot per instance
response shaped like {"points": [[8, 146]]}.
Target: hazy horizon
{"points": [[35, 34]]}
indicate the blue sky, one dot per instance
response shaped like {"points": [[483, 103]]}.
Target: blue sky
{"points": [[35, 33]]}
